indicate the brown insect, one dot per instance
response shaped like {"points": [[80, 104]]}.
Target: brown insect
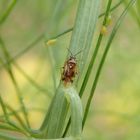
{"points": [[70, 69]]}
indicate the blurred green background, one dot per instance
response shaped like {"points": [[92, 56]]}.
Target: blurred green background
{"points": [[115, 110]]}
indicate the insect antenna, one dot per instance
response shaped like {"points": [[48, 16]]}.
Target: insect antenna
{"points": [[70, 52], [74, 54], [78, 53]]}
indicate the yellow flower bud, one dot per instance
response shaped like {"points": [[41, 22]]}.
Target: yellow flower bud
{"points": [[51, 42], [109, 20], [104, 30]]}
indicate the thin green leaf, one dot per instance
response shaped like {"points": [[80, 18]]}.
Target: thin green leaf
{"points": [[4, 108], [26, 49], [70, 29], [7, 136], [8, 11], [55, 17], [10, 72], [138, 7], [113, 8], [13, 126], [36, 85], [16, 115], [113, 33], [134, 13], [6, 126], [41, 36], [52, 64], [59, 35], [92, 61], [9, 127]]}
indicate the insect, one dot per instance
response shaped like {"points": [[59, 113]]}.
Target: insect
{"points": [[70, 69]]}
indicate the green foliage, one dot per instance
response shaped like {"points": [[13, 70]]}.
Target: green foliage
{"points": [[53, 126], [65, 110], [85, 24], [135, 11]]}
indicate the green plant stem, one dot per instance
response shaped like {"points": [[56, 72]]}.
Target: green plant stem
{"points": [[113, 8], [16, 116], [52, 64], [10, 125], [116, 27], [19, 110], [7, 56], [31, 45], [70, 29], [60, 34], [6, 126], [8, 11], [9, 70], [41, 36], [4, 109], [36, 85], [92, 61], [134, 13], [8, 136]]}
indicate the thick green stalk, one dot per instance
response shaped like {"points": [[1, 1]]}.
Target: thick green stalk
{"points": [[85, 24], [84, 28]]}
